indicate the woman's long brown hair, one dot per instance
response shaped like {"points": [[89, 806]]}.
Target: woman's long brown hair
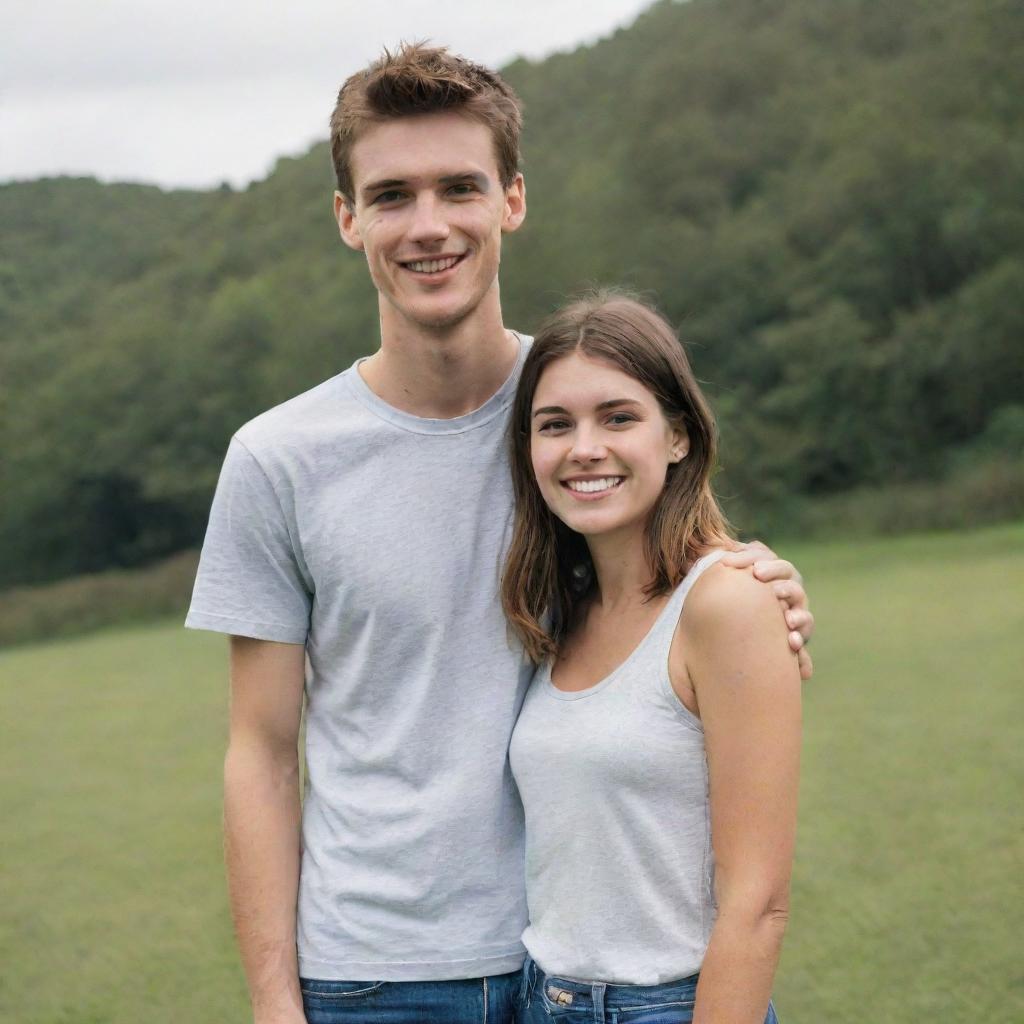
{"points": [[548, 573]]}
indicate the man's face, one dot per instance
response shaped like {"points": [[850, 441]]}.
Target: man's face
{"points": [[429, 214]]}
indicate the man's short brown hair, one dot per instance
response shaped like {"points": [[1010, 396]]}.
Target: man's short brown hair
{"points": [[421, 79]]}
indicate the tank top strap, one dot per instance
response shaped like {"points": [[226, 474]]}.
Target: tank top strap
{"points": [[665, 628]]}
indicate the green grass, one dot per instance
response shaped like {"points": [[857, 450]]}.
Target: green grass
{"points": [[907, 897], [112, 907], [908, 903]]}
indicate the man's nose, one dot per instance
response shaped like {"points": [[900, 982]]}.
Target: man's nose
{"points": [[428, 221]]}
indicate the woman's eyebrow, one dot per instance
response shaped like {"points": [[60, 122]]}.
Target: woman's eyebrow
{"points": [[611, 403]]}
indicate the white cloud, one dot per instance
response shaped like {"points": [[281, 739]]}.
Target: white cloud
{"points": [[193, 93], [189, 135]]}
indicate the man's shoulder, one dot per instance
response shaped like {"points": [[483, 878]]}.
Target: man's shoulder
{"points": [[297, 420]]}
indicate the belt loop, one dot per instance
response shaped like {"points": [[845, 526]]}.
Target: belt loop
{"points": [[597, 994]]}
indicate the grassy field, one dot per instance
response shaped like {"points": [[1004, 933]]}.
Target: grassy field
{"points": [[908, 899]]}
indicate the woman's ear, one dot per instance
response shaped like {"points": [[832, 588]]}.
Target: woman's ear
{"points": [[679, 445]]}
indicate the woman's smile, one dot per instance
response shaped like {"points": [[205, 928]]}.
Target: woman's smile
{"points": [[592, 488]]}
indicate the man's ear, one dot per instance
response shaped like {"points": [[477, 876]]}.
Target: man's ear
{"points": [[515, 204], [345, 215]]}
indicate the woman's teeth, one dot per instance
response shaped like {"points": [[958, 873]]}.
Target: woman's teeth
{"points": [[590, 486]]}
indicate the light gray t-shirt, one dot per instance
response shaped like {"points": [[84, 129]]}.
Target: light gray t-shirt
{"points": [[376, 538], [619, 865]]}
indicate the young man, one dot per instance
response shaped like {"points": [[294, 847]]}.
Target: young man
{"points": [[362, 526]]}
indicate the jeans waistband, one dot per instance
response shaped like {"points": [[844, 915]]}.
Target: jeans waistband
{"points": [[599, 995]]}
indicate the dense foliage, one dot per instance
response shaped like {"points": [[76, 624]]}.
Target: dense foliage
{"points": [[827, 197]]}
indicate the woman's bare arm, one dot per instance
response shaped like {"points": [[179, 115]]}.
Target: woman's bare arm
{"points": [[747, 686]]}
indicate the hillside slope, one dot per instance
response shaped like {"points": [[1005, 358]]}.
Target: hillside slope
{"points": [[828, 198]]}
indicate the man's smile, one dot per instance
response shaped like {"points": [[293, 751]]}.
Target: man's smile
{"points": [[433, 265]]}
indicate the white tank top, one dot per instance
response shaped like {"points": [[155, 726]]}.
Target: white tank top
{"points": [[619, 868]]}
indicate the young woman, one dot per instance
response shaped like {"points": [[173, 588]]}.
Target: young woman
{"points": [[657, 750]]}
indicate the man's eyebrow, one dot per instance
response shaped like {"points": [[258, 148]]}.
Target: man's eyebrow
{"points": [[376, 186], [476, 177]]}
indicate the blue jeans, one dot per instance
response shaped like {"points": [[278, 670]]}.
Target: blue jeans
{"points": [[469, 1001], [548, 1000]]}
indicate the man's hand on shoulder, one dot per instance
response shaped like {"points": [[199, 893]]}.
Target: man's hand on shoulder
{"points": [[787, 584]]}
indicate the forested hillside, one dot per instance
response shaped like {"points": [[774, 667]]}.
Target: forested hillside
{"points": [[826, 195]]}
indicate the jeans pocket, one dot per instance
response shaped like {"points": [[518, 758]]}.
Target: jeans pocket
{"points": [[671, 1002], [559, 1009], [315, 988], [675, 1011]]}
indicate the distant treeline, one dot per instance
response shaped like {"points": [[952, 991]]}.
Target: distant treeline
{"points": [[827, 196]]}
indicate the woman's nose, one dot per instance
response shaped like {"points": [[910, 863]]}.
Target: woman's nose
{"points": [[587, 447]]}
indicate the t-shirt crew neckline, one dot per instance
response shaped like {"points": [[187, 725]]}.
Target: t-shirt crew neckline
{"points": [[494, 405]]}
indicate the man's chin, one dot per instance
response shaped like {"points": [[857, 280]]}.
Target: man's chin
{"points": [[437, 318]]}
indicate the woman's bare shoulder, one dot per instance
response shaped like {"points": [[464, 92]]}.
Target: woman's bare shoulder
{"points": [[735, 631], [727, 598]]}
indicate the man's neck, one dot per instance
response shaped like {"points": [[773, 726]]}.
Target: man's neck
{"points": [[443, 373]]}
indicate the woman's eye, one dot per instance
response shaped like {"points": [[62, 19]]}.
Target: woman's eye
{"points": [[552, 426], [620, 418]]}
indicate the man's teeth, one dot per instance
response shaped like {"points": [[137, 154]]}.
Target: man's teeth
{"points": [[432, 266], [588, 486]]}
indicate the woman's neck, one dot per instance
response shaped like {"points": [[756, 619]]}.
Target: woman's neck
{"points": [[620, 564]]}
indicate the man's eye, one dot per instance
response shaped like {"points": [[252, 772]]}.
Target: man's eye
{"points": [[463, 189], [388, 197]]}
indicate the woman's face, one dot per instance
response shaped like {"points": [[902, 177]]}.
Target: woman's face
{"points": [[600, 445]]}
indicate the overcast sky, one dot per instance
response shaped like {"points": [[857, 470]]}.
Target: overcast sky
{"points": [[196, 92]]}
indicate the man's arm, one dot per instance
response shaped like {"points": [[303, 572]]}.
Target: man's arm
{"points": [[261, 820]]}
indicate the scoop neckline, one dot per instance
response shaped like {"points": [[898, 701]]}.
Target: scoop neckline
{"points": [[597, 687]]}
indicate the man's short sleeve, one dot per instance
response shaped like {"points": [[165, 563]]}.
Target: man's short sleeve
{"points": [[250, 581]]}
